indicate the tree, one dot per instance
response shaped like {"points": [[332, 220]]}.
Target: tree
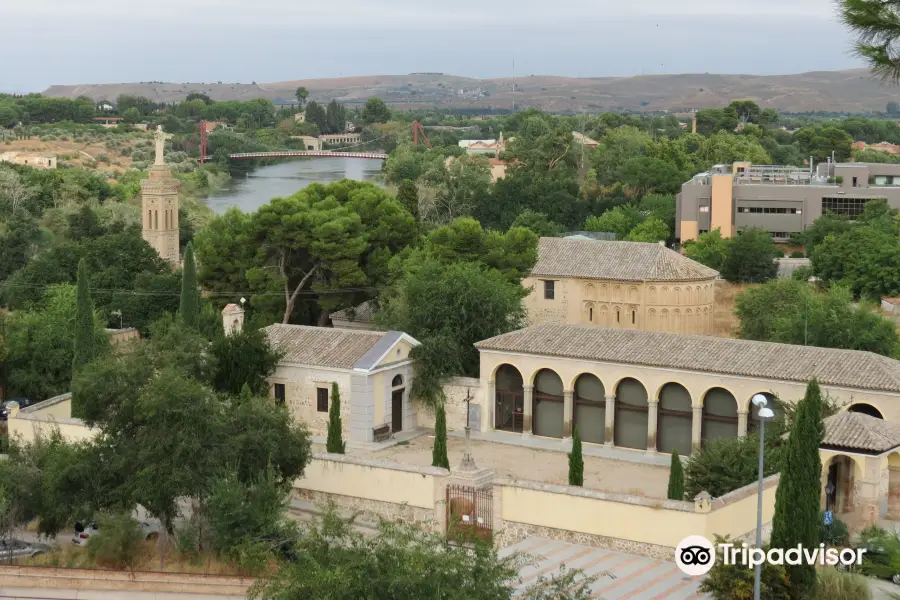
{"points": [[649, 230], [189, 308], [825, 225], [864, 258], [317, 115], [710, 249], [243, 358], [821, 141], [439, 450], [576, 463], [39, 345], [335, 443], [751, 257], [335, 561], [619, 220], [323, 239], [335, 117], [301, 94], [538, 223], [460, 186], [727, 464], [791, 312], [17, 242], [874, 24], [436, 300], [85, 327], [796, 518], [408, 196], [375, 111], [893, 108], [676, 479]]}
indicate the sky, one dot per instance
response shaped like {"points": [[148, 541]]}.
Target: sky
{"points": [[44, 42]]}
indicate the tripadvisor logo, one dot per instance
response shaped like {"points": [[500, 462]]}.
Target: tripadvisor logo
{"points": [[696, 555]]}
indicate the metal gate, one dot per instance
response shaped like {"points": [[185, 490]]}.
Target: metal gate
{"points": [[469, 513]]}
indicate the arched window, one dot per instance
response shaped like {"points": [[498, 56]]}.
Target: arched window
{"points": [[720, 419], [149, 219], [618, 315], [590, 408], [509, 399], [677, 295], [651, 294], [631, 414], [651, 319], [617, 293], [591, 314], [866, 409], [632, 294], [548, 404], [397, 381], [155, 219], [675, 419], [590, 292]]}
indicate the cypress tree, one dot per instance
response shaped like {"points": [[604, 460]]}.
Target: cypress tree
{"points": [[439, 450], [335, 444], [85, 349], [576, 464], [676, 478], [796, 519], [189, 309]]}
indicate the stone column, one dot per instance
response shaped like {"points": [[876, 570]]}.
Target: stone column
{"points": [[696, 428], [893, 510], [742, 423], [526, 410], [610, 433], [867, 500], [568, 408], [652, 416], [488, 422]]}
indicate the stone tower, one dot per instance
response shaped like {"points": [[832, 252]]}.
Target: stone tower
{"points": [[159, 206]]}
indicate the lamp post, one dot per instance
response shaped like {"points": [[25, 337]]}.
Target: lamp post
{"points": [[764, 413]]}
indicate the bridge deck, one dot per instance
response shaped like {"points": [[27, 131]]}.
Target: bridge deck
{"points": [[303, 153]]}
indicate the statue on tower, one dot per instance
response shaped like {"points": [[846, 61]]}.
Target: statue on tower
{"points": [[161, 137]]}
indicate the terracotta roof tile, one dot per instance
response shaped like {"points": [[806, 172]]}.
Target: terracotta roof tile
{"points": [[765, 360], [623, 261], [322, 346], [857, 431]]}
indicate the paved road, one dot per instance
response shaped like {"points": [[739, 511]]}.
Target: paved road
{"points": [[11, 593], [620, 576]]}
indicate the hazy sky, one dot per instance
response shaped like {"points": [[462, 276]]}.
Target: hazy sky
{"points": [[45, 42]]}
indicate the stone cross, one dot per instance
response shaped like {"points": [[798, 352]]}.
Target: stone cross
{"points": [[161, 138]]}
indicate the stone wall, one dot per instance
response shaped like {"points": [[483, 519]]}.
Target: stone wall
{"points": [[455, 408], [511, 533], [389, 511], [300, 385]]}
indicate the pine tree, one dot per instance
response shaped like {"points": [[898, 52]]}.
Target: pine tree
{"points": [[676, 478], [576, 464], [796, 519], [189, 309], [85, 349], [408, 196], [335, 444], [439, 451]]}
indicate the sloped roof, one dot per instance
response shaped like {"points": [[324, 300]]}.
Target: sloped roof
{"points": [[622, 261], [764, 360], [363, 313], [332, 346], [857, 431]]}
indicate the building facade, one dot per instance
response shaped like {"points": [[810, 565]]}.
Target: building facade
{"points": [[37, 160], [660, 392], [372, 369], [341, 138], [780, 200], [159, 210], [627, 285]]}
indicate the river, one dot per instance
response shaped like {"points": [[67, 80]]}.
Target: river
{"points": [[260, 185]]}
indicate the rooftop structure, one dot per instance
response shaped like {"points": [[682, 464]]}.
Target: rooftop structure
{"points": [[779, 199]]}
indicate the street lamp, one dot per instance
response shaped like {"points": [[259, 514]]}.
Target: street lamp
{"points": [[764, 413]]}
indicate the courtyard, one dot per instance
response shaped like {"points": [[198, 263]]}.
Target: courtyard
{"points": [[521, 462]]}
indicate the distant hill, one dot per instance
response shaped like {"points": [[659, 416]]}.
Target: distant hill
{"points": [[840, 91]]}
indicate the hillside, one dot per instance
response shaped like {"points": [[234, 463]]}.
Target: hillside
{"points": [[845, 91]]}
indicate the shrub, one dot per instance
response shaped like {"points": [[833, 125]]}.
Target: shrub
{"points": [[735, 581], [839, 179], [576, 463], [797, 254], [832, 584], [836, 534], [676, 478], [118, 544], [725, 465]]}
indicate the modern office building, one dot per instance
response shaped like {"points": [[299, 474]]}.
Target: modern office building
{"points": [[781, 200]]}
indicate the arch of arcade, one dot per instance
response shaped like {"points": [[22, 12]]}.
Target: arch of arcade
{"points": [[654, 391]]}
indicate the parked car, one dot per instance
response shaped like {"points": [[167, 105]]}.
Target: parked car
{"points": [[4, 406], [85, 531], [12, 549]]}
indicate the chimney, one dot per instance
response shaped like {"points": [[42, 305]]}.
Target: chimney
{"points": [[233, 318]]}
